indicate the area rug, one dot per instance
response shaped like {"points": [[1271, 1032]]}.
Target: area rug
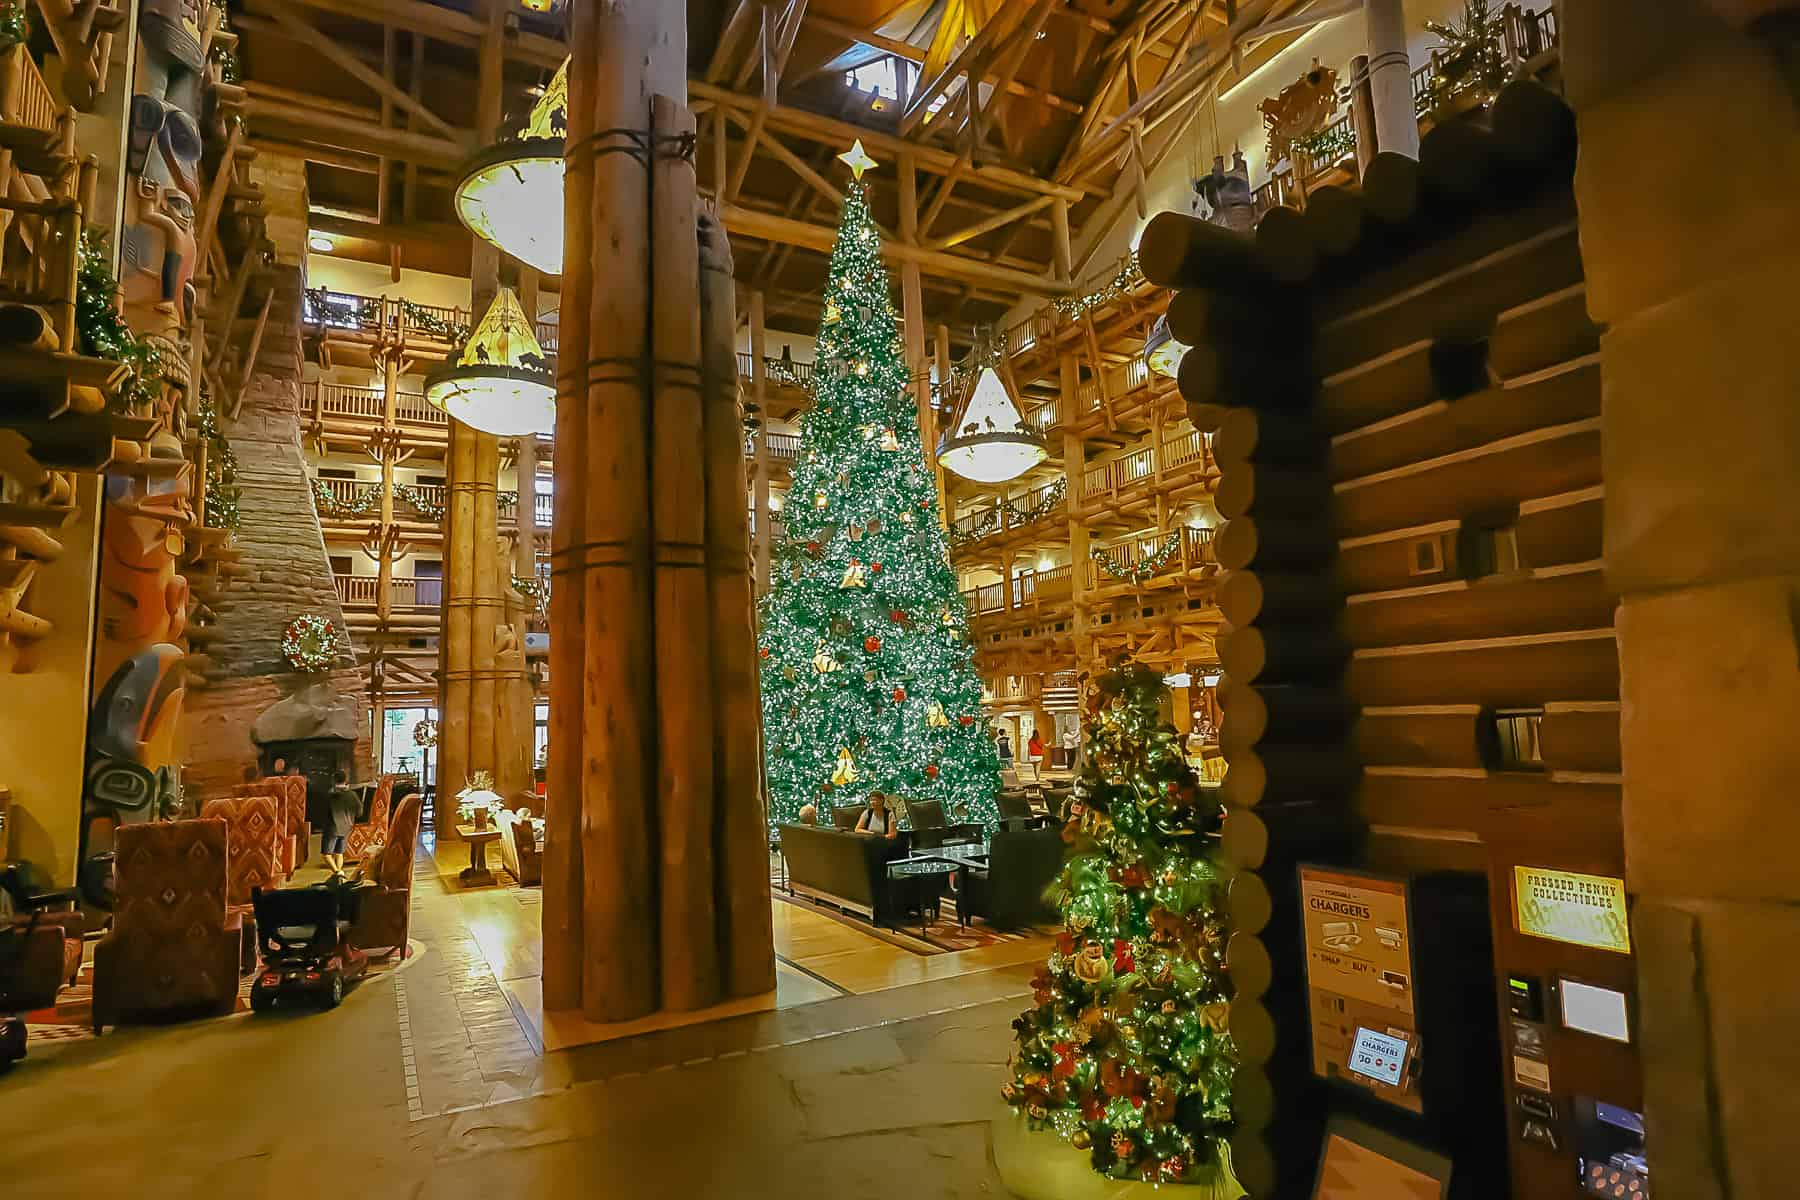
{"points": [[72, 1020], [941, 936]]}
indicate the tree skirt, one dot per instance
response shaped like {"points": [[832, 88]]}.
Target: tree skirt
{"points": [[1039, 1165]]}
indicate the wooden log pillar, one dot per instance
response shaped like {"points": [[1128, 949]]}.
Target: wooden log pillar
{"points": [[741, 862], [657, 857], [453, 672], [387, 446], [759, 391], [912, 315], [1362, 113], [1075, 476], [1390, 78]]}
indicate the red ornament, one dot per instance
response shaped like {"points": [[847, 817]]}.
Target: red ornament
{"points": [[1123, 962], [763, 650], [875, 567], [899, 695], [1065, 943], [966, 720], [931, 772], [897, 617], [813, 549], [872, 644]]}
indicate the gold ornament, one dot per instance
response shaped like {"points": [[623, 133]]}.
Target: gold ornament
{"points": [[1091, 966], [906, 518], [820, 500], [890, 441], [823, 662], [935, 717], [833, 314], [845, 775], [1216, 1016], [855, 575], [1080, 1139]]}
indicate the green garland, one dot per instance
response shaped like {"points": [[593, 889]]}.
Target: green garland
{"points": [[223, 495], [1145, 568], [408, 494], [532, 589], [1053, 497], [1327, 146], [103, 332], [1127, 279], [439, 327], [318, 300], [984, 525], [366, 501], [1471, 58]]}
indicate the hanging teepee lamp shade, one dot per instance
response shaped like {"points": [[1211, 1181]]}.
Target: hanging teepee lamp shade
{"points": [[501, 383], [511, 194], [1162, 353], [989, 442]]}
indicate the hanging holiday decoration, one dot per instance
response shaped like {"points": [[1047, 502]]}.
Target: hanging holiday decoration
{"points": [[935, 717], [1162, 353], [425, 733], [1127, 279], [222, 491], [849, 598], [1124, 1052], [1048, 501], [845, 774], [823, 662], [311, 643], [512, 194], [501, 383]]}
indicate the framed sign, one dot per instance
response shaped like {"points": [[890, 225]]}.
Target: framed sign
{"points": [[1566, 906], [1360, 981]]}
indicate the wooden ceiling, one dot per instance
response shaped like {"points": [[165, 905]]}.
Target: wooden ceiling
{"points": [[1022, 114]]}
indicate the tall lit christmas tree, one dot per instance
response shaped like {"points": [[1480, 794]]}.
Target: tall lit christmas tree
{"points": [[1125, 1052], [868, 674]]}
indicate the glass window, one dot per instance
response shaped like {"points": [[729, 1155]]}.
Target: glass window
{"points": [[400, 754]]}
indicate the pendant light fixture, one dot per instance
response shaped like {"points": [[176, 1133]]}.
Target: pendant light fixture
{"points": [[989, 441], [512, 193], [1162, 353], [501, 383]]}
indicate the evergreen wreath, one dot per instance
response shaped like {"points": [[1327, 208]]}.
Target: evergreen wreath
{"points": [[311, 643]]}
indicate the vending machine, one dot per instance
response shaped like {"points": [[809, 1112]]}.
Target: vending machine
{"points": [[1399, 978], [1562, 939]]}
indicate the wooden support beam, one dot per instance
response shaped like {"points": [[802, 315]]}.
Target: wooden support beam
{"points": [[346, 133], [999, 219], [256, 337], [793, 161], [740, 23], [298, 29], [771, 227]]}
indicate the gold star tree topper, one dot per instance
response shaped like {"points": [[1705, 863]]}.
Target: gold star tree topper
{"points": [[857, 159]]}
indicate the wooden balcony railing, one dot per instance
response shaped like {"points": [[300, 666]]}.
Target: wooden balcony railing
{"points": [[369, 404], [1043, 503], [362, 592], [1139, 560]]}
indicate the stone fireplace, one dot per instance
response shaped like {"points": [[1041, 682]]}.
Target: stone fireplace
{"points": [[314, 729]]}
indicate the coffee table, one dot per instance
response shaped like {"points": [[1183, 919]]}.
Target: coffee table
{"points": [[476, 874], [925, 877]]}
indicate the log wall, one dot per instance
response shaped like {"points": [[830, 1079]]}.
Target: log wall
{"points": [[1413, 544]]}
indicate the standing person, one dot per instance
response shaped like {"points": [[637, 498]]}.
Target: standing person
{"points": [[878, 818], [344, 804], [280, 767], [1034, 749], [1004, 745], [1071, 740]]}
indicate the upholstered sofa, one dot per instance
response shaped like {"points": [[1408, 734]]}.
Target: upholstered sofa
{"points": [[841, 868], [174, 947], [40, 952], [1022, 864], [384, 914], [519, 850]]}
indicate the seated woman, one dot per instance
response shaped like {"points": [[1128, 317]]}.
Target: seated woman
{"points": [[878, 818]]}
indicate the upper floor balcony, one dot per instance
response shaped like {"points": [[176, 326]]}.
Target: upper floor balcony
{"points": [[1006, 519]]}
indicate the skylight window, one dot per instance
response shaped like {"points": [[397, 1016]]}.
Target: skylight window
{"points": [[881, 78]]}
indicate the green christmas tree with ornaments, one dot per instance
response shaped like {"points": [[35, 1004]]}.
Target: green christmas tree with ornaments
{"points": [[868, 672], [1125, 1052]]}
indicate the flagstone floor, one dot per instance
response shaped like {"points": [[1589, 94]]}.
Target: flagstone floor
{"points": [[872, 1073]]}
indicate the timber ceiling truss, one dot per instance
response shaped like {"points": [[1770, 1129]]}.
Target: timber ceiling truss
{"points": [[1003, 135]]}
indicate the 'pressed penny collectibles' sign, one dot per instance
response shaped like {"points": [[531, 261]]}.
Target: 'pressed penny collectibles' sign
{"points": [[1565, 906]]}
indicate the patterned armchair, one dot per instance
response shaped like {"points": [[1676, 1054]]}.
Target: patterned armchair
{"points": [[39, 953], [256, 833], [298, 847], [365, 839], [173, 948], [384, 915]]}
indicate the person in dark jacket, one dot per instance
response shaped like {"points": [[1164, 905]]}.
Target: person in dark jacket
{"points": [[344, 805]]}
